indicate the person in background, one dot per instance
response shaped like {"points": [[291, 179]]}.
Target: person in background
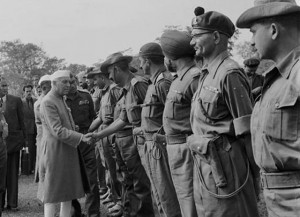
{"points": [[14, 116], [275, 119], [29, 121], [45, 84], [256, 81], [83, 113], [3, 151]]}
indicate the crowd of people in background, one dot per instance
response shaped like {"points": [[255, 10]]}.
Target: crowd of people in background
{"points": [[191, 133]]}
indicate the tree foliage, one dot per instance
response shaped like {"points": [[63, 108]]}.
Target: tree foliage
{"points": [[246, 50]]}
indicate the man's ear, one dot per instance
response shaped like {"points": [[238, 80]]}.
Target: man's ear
{"points": [[217, 37], [274, 30]]}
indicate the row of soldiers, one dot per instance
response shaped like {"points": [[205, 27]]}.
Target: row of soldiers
{"points": [[184, 141]]}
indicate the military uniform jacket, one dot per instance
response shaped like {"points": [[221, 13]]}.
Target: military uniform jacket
{"points": [[154, 103], [134, 95], [275, 123], [177, 110], [222, 107], [82, 109], [110, 97], [59, 170]]}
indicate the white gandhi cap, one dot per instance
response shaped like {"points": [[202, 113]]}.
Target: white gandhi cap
{"points": [[60, 74], [44, 78]]}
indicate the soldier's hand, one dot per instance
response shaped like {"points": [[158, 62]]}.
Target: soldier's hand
{"points": [[88, 138]]}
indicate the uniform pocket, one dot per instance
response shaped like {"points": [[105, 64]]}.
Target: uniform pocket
{"points": [[282, 120], [209, 103]]}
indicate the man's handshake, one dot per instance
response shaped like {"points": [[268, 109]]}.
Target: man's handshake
{"points": [[88, 138]]}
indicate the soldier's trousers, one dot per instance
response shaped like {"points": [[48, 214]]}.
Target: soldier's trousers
{"points": [[3, 167], [157, 166], [181, 166], [110, 162], [92, 202], [101, 170], [141, 183]]}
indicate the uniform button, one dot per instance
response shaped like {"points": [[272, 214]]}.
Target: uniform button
{"points": [[199, 149], [276, 105]]}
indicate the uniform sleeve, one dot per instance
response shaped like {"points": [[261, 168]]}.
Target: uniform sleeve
{"points": [[236, 92], [140, 90], [53, 121], [163, 89], [91, 108]]}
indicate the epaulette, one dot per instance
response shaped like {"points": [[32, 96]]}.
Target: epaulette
{"points": [[134, 81], [137, 79], [195, 72]]}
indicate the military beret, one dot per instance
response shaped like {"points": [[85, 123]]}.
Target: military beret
{"points": [[251, 62], [114, 58], [266, 8], [176, 44], [151, 49], [214, 21]]}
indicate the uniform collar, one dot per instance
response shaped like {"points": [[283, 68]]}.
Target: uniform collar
{"points": [[154, 76], [285, 66], [128, 85], [215, 64], [183, 71]]}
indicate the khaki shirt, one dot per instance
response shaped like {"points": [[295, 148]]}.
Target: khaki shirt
{"points": [[110, 97], [275, 123], [154, 103], [134, 95], [177, 110], [222, 103]]}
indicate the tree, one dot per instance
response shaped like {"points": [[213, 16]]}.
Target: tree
{"points": [[245, 50], [232, 40], [21, 58], [76, 68]]}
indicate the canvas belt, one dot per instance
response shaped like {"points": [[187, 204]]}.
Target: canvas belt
{"points": [[176, 139], [124, 133], [289, 179]]}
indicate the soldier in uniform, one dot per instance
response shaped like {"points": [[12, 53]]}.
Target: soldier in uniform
{"points": [[134, 91], [224, 168], [275, 120], [156, 157], [110, 96], [83, 113], [179, 55], [256, 81]]}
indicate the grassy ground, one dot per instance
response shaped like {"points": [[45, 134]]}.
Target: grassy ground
{"points": [[30, 206]]}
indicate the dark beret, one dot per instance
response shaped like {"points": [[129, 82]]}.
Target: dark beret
{"points": [[27, 86], [214, 21], [151, 49], [176, 44], [266, 8], [251, 62]]}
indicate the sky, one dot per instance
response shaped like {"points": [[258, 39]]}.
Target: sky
{"points": [[86, 31]]}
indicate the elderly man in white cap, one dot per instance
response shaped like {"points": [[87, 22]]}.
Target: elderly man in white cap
{"points": [[275, 122], [61, 171], [45, 84]]}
